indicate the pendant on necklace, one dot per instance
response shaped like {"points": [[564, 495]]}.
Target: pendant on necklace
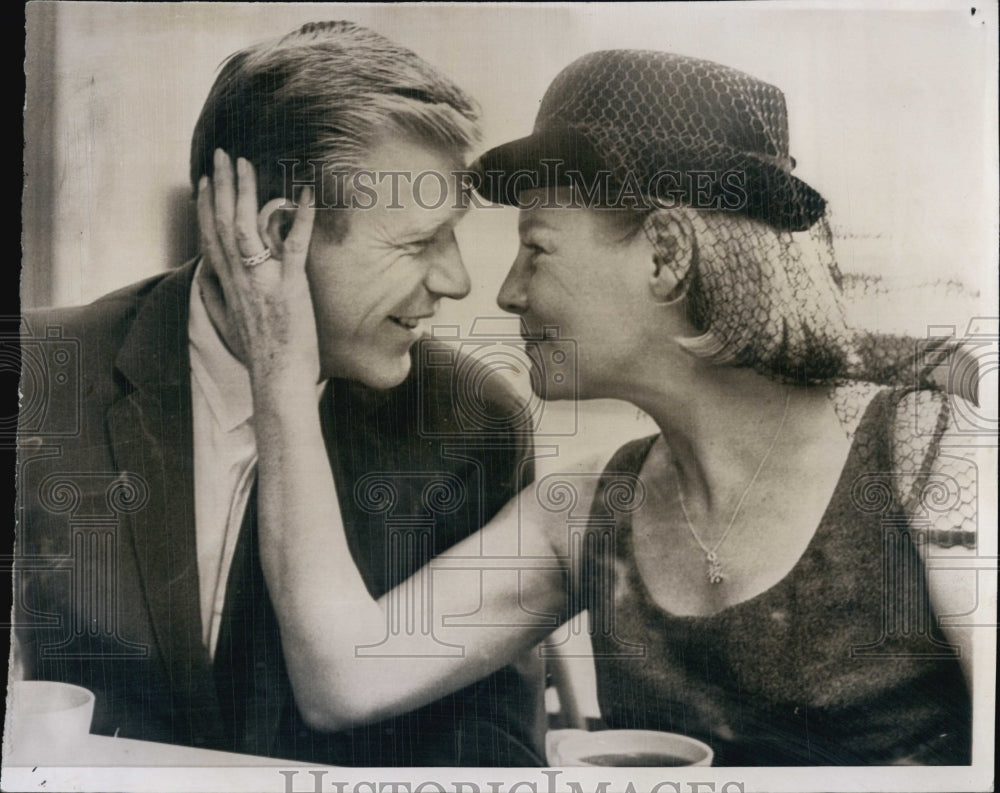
{"points": [[714, 568]]}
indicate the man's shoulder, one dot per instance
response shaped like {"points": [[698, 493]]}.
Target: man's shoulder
{"points": [[107, 321], [105, 317]]}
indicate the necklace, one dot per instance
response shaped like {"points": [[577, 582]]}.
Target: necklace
{"points": [[714, 572]]}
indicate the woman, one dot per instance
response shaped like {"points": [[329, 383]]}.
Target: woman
{"points": [[781, 630]]}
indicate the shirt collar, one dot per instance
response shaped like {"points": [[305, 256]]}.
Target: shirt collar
{"points": [[224, 381]]}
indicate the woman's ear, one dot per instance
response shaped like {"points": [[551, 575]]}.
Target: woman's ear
{"points": [[274, 221], [674, 250]]}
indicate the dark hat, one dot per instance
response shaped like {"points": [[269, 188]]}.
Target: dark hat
{"points": [[675, 129]]}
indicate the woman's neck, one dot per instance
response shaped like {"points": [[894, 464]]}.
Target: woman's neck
{"points": [[720, 423]]}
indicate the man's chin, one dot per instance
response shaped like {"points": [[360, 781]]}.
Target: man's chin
{"points": [[379, 372]]}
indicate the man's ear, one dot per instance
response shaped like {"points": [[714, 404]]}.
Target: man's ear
{"points": [[274, 221], [674, 251]]}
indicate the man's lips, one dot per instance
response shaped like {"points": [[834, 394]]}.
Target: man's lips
{"points": [[410, 322]]}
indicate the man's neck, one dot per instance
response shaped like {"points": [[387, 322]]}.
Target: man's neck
{"points": [[210, 290]]}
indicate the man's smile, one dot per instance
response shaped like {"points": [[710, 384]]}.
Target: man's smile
{"points": [[409, 322]]}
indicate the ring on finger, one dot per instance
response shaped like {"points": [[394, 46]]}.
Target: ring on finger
{"points": [[258, 258]]}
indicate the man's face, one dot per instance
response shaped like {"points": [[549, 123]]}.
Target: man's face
{"points": [[376, 285]]}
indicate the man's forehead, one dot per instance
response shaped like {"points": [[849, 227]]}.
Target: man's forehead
{"points": [[408, 221], [421, 220], [426, 187], [408, 154]]}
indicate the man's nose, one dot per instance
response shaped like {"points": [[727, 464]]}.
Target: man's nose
{"points": [[513, 294], [447, 276]]}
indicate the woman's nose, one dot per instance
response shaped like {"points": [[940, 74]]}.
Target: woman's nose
{"points": [[513, 294]]}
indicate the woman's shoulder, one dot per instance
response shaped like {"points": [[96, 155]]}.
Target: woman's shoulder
{"points": [[936, 465], [920, 419], [602, 468], [915, 436], [598, 482], [587, 488], [914, 420], [928, 427]]}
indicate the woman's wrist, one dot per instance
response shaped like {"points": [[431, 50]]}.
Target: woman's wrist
{"points": [[287, 400]]}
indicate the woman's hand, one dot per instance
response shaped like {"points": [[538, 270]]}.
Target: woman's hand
{"points": [[267, 309]]}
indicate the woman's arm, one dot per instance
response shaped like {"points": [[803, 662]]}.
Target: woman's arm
{"points": [[962, 591], [326, 612], [323, 606], [945, 500]]}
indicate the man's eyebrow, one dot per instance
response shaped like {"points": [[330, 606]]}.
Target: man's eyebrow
{"points": [[418, 230]]}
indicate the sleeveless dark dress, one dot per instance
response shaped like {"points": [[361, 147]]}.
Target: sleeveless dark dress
{"points": [[840, 663]]}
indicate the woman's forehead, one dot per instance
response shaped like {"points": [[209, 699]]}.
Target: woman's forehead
{"points": [[563, 219], [549, 209]]}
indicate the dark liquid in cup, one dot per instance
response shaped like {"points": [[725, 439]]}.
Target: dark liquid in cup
{"points": [[636, 759]]}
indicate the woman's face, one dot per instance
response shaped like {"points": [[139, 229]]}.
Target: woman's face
{"points": [[580, 285]]}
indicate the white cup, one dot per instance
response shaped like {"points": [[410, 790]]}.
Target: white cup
{"points": [[47, 718], [623, 748]]}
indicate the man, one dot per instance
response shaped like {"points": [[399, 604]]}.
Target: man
{"points": [[137, 574]]}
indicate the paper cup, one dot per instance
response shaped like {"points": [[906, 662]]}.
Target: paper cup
{"points": [[46, 717], [625, 748]]}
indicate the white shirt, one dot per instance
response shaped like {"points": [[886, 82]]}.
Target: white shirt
{"points": [[225, 459]]}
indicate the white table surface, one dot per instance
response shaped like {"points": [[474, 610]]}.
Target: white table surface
{"points": [[103, 763], [103, 750]]}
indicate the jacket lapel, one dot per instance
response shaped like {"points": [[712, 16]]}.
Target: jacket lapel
{"points": [[151, 435]]}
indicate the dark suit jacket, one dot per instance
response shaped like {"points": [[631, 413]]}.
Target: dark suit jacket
{"points": [[106, 582]]}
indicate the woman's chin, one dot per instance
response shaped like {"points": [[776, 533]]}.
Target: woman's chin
{"points": [[553, 392]]}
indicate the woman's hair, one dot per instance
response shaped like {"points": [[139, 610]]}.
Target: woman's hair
{"points": [[760, 297], [318, 100]]}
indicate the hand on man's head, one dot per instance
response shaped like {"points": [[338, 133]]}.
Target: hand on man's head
{"points": [[256, 288]]}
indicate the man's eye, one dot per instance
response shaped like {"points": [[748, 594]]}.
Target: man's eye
{"points": [[419, 245]]}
